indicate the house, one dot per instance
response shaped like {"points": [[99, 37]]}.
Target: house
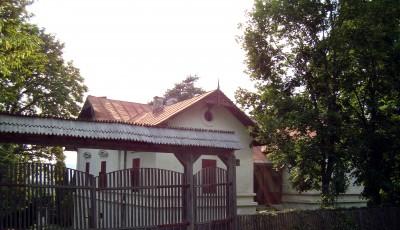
{"points": [[211, 111], [273, 188], [255, 176]]}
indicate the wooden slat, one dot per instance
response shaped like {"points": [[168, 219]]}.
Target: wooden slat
{"points": [[188, 196], [158, 201]]}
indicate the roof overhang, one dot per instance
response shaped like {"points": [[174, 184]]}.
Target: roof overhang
{"points": [[112, 135]]}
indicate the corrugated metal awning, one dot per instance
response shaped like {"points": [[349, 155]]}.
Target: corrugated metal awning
{"points": [[78, 129]]}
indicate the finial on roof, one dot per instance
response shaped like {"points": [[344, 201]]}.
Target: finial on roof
{"points": [[218, 99]]}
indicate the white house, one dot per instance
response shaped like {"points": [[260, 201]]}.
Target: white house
{"points": [[212, 111]]}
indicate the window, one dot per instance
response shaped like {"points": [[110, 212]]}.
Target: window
{"points": [[135, 173], [87, 167], [208, 116], [209, 176], [103, 175]]}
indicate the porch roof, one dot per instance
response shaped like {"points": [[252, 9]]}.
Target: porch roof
{"points": [[58, 131]]}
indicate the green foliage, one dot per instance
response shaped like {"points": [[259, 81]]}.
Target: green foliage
{"points": [[185, 89], [292, 59], [327, 100], [34, 78], [371, 96]]}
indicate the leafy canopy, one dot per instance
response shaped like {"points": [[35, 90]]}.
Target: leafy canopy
{"points": [[34, 78], [323, 70], [185, 89], [371, 97]]}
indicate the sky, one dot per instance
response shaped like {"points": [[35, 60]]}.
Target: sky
{"points": [[134, 50]]}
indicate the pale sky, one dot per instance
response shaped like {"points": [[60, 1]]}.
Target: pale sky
{"points": [[135, 50]]}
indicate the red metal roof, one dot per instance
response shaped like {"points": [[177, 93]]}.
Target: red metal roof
{"points": [[113, 110], [259, 155], [101, 108], [170, 111]]}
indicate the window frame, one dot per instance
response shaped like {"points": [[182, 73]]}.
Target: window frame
{"points": [[209, 176], [135, 174], [103, 174]]}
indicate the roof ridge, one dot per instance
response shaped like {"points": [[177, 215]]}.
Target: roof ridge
{"points": [[180, 102], [180, 105], [193, 98], [109, 99], [188, 102]]}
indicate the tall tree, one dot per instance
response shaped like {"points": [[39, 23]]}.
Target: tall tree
{"points": [[185, 89], [34, 78], [371, 95], [312, 60], [291, 53]]}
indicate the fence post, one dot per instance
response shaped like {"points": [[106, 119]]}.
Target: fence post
{"points": [[187, 160], [93, 210], [230, 161], [232, 195]]}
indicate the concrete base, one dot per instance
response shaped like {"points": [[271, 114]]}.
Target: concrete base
{"points": [[246, 204], [312, 201]]}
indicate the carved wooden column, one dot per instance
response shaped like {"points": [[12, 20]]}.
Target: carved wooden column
{"points": [[187, 160], [230, 162]]}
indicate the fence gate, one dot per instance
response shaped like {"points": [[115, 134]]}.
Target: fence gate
{"points": [[140, 198], [211, 199], [44, 196]]}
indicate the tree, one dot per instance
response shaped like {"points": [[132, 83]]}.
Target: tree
{"points": [[371, 96], [185, 89], [310, 60], [34, 78], [292, 56]]}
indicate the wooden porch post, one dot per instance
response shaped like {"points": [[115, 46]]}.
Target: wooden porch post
{"points": [[93, 200], [230, 162], [187, 160]]}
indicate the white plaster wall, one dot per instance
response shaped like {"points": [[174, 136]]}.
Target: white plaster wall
{"points": [[223, 120], [147, 159], [115, 160], [311, 199], [168, 161], [112, 160]]}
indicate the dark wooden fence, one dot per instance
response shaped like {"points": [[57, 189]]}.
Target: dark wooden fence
{"points": [[45, 196], [210, 199], [387, 218], [39, 195], [140, 198]]}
